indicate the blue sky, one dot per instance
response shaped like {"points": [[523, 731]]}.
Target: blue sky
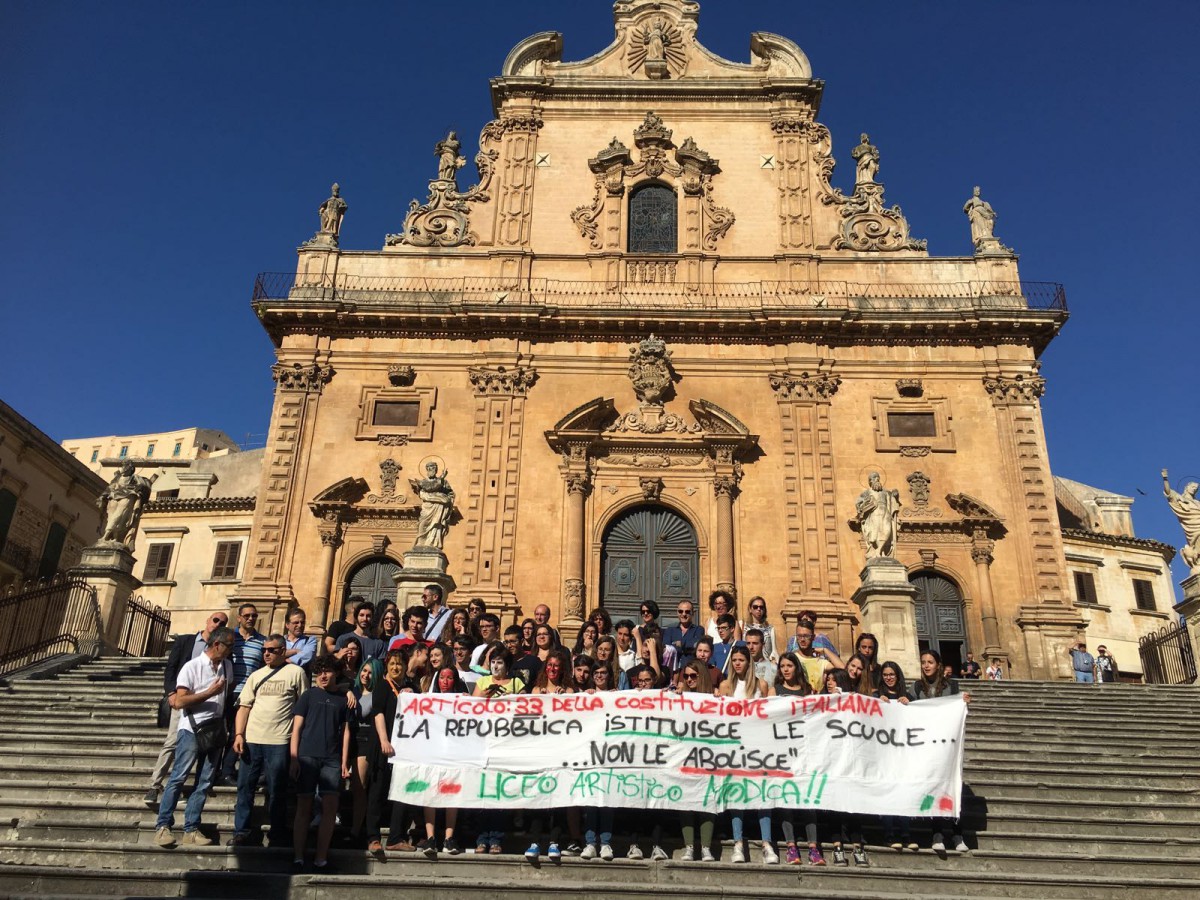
{"points": [[155, 156]]}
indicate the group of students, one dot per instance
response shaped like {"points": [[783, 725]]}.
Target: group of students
{"points": [[313, 739]]}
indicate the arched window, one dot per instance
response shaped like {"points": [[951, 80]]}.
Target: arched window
{"points": [[653, 219]]}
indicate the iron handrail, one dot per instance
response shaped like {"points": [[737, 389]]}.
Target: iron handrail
{"points": [[52, 617]]}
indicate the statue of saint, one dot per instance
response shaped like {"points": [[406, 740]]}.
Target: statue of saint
{"points": [[878, 511], [121, 506], [332, 212], [983, 220], [437, 505], [656, 42], [449, 162], [866, 158], [1187, 509]]}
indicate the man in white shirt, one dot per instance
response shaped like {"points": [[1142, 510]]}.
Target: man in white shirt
{"points": [[201, 692], [439, 613]]}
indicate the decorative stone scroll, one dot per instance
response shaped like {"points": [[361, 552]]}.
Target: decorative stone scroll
{"points": [[867, 225], [443, 221]]}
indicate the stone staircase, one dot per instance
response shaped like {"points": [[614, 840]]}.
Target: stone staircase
{"points": [[1074, 791]]}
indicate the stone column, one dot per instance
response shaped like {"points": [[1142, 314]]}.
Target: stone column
{"points": [[724, 487], [887, 601], [330, 530], [579, 485], [981, 553]]}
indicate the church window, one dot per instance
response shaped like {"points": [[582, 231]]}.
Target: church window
{"points": [[1085, 588], [653, 220], [1143, 594], [95, 455], [393, 412], [226, 562], [124, 452], [158, 562], [908, 424]]}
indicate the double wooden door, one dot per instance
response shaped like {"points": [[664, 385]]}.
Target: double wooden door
{"points": [[650, 553]]}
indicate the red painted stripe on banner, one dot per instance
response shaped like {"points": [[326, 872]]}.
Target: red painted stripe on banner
{"points": [[738, 773]]}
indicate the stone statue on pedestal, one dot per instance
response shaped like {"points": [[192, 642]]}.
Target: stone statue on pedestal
{"points": [[878, 513], [1187, 509], [866, 160], [983, 223], [331, 213], [121, 506], [449, 162], [437, 506]]}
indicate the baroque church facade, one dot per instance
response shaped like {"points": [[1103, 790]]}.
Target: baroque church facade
{"points": [[653, 351]]}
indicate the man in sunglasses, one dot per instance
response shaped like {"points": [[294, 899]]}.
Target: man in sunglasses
{"points": [[186, 648], [262, 734], [683, 636], [247, 657]]}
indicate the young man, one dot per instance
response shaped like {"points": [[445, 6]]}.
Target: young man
{"points": [[815, 661], [262, 732], [183, 651], [685, 634], [320, 757], [372, 647], [726, 630], [1106, 666], [819, 642], [1083, 664], [704, 652], [763, 667], [489, 630], [972, 669], [345, 624], [201, 692], [439, 614], [413, 621], [627, 656]]}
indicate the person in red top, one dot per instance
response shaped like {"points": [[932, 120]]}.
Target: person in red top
{"points": [[415, 619]]}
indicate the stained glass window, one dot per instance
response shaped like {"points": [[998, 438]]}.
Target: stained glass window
{"points": [[653, 220]]}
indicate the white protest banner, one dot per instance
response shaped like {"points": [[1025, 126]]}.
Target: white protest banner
{"points": [[662, 750]]}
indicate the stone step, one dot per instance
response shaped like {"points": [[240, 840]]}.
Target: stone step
{"points": [[1003, 755], [977, 808], [1070, 791], [1050, 823]]}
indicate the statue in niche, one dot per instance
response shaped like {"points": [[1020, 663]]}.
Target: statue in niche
{"points": [[878, 513], [656, 42], [1187, 510], [449, 162], [983, 222], [866, 160], [332, 212], [121, 506], [437, 506]]}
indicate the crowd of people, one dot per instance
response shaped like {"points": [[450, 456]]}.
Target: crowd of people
{"points": [[309, 719]]}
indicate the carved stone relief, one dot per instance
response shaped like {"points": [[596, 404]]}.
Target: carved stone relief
{"points": [[652, 488], [1021, 389], [815, 387], [401, 375], [502, 381], [918, 486], [308, 379]]}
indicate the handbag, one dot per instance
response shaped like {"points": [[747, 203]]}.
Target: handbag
{"points": [[211, 734]]}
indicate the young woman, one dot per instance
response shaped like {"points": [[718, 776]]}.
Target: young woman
{"points": [[790, 682], [694, 679], [743, 684], [581, 674], [527, 626], [757, 618], [389, 626], [867, 647], [364, 743], [649, 616], [789, 678], [555, 674], [836, 682], [602, 620], [445, 680], [585, 644], [497, 683], [893, 689], [603, 677], [383, 704], [460, 623], [859, 673], [934, 683]]}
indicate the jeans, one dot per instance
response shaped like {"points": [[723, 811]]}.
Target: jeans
{"points": [[1085, 677], [594, 819], [764, 824], [270, 761], [185, 761]]}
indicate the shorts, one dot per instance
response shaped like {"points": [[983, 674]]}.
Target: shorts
{"points": [[316, 771]]}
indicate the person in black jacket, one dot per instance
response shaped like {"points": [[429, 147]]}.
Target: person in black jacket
{"points": [[186, 648]]}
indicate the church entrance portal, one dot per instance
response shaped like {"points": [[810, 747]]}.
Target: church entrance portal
{"points": [[372, 580], [650, 553], [939, 615]]}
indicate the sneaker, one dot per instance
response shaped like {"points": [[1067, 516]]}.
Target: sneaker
{"points": [[238, 840], [739, 853], [325, 868], [606, 852], [197, 838], [707, 856], [428, 847], [588, 852], [792, 856], [553, 852], [770, 857], [635, 852], [839, 857], [532, 853], [658, 854], [961, 846], [495, 850], [939, 846], [163, 837], [896, 845], [860, 856], [689, 855], [574, 848], [450, 845], [913, 845], [297, 866], [151, 799], [815, 856]]}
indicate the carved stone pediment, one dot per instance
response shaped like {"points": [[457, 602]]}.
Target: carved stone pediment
{"points": [[970, 508]]}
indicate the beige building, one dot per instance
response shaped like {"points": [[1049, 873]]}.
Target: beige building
{"points": [[1121, 583], [657, 350], [190, 549], [186, 443], [48, 503]]}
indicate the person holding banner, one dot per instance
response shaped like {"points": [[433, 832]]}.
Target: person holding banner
{"points": [[552, 679], [866, 647], [383, 705], [704, 654], [933, 683], [498, 683], [445, 680], [816, 662], [789, 678]]}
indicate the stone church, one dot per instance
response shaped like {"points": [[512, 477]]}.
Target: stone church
{"points": [[642, 348]]}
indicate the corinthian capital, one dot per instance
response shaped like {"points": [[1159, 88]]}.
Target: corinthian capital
{"points": [[1019, 390], [309, 379], [502, 381], [816, 388]]}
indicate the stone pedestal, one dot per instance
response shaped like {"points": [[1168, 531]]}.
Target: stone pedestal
{"points": [[108, 568], [886, 600], [1189, 606], [422, 566]]}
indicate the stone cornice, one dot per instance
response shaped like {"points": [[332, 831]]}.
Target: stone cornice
{"points": [[200, 505], [1166, 551]]}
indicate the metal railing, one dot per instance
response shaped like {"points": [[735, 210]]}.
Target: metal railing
{"points": [[456, 293], [146, 629], [19, 557], [57, 616], [1167, 656]]}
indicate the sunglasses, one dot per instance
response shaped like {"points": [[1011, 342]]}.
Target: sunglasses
{"points": [[684, 611], [690, 676], [248, 616], [756, 606], [272, 649]]}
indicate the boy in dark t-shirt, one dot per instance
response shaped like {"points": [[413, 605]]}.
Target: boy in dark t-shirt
{"points": [[320, 756]]}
